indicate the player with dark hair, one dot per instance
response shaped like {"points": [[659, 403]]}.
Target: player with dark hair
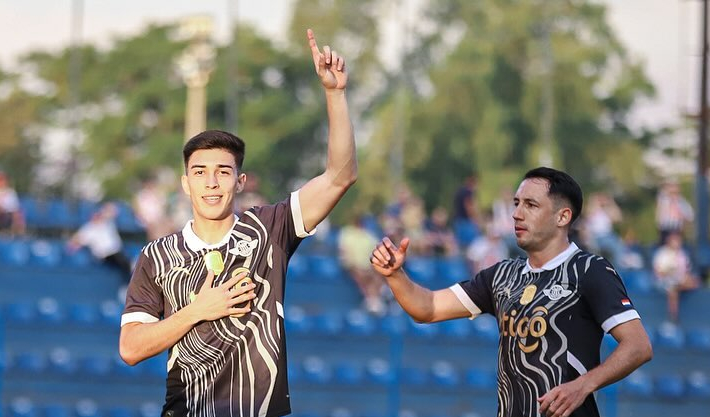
{"points": [[552, 308], [213, 293]]}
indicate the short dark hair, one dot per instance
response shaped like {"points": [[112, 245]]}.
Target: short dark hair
{"points": [[215, 139], [562, 186]]}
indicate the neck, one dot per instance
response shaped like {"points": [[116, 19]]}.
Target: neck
{"points": [[539, 258], [212, 231]]}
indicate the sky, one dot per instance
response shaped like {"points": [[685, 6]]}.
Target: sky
{"points": [[662, 33]]}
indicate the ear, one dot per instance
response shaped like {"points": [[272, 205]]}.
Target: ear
{"points": [[564, 217], [185, 186], [241, 182]]}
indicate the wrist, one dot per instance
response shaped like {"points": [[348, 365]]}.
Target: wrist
{"points": [[335, 92]]}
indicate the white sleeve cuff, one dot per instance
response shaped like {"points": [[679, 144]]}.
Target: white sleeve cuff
{"points": [[298, 217], [137, 316], [618, 319], [466, 300]]}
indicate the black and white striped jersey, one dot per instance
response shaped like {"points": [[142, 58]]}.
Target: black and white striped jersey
{"points": [[551, 323], [231, 366]]}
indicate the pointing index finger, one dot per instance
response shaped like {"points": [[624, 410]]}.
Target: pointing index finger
{"points": [[312, 42]]}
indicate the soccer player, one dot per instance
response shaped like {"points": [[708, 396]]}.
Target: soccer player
{"points": [[552, 307], [213, 293]]}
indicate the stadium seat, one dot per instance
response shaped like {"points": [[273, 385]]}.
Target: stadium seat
{"points": [[481, 379], [359, 323], [330, 323], [23, 407], [349, 373], [297, 267], [95, 365], [119, 411], [342, 411], [423, 330], [61, 361], [121, 368], [379, 371], [126, 220], [669, 386], [31, 362], [110, 312], [465, 232], [15, 252], [414, 376], [20, 312], [296, 320], [452, 270], [83, 314], [149, 409], [698, 339], [46, 253], [421, 269], [325, 267], [638, 384], [394, 324], [81, 257], [87, 408], [316, 370], [444, 374], [637, 281], [698, 385], [57, 410], [50, 311], [157, 367], [457, 329], [669, 336], [485, 328]]}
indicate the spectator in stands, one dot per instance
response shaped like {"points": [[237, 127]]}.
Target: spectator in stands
{"points": [[673, 211], [12, 219], [438, 235], [250, 197], [213, 294], [601, 216], [553, 308], [150, 204], [502, 220], [354, 245], [486, 250], [465, 200], [674, 272], [101, 237]]}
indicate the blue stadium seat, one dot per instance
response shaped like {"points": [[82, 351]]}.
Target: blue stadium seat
{"points": [[329, 322], [485, 328], [23, 407], [87, 408], [316, 370], [123, 369], [50, 311], [421, 269], [453, 269], [29, 361], [46, 253], [379, 371], [296, 320], [698, 339], [481, 379], [349, 373], [57, 410], [637, 281], [120, 411], [423, 330], [110, 312], [457, 329], [698, 385], [157, 366], [414, 376], [465, 232], [444, 374], [669, 386], [325, 267], [297, 267], [84, 314], [81, 257], [359, 323], [669, 336], [95, 365], [295, 373], [638, 384], [149, 409], [61, 361], [15, 252], [21, 312], [394, 324], [126, 220]]}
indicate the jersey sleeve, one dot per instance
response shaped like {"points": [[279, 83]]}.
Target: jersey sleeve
{"points": [[606, 296], [476, 294], [144, 298], [285, 221]]}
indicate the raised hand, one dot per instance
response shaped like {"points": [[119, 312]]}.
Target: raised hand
{"points": [[213, 303], [388, 258], [330, 67]]}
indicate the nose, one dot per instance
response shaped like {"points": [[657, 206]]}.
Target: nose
{"points": [[517, 213], [212, 181]]}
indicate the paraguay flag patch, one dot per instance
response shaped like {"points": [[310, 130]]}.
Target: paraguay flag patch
{"points": [[625, 302]]}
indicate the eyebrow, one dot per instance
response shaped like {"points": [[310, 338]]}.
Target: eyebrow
{"points": [[205, 166]]}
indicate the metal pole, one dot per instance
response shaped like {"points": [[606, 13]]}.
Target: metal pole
{"points": [[231, 109], [701, 181], [74, 95]]}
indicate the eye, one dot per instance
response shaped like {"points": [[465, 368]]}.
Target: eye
{"points": [[198, 172]]}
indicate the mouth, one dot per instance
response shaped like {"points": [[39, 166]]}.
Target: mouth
{"points": [[519, 230], [212, 199]]}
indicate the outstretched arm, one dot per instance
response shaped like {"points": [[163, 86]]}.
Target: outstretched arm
{"points": [[634, 350], [422, 304], [319, 195]]}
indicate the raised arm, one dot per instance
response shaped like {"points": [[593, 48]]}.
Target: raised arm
{"points": [[422, 304], [319, 195]]}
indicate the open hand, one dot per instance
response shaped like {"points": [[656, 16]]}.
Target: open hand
{"points": [[213, 303]]}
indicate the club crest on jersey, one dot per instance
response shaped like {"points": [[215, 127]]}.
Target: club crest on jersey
{"points": [[556, 292], [244, 248], [528, 294]]}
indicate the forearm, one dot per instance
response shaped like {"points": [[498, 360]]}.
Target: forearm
{"points": [[627, 357], [341, 165], [140, 341], [416, 300]]}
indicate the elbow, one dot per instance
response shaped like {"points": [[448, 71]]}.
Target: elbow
{"points": [[129, 354], [647, 353]]}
